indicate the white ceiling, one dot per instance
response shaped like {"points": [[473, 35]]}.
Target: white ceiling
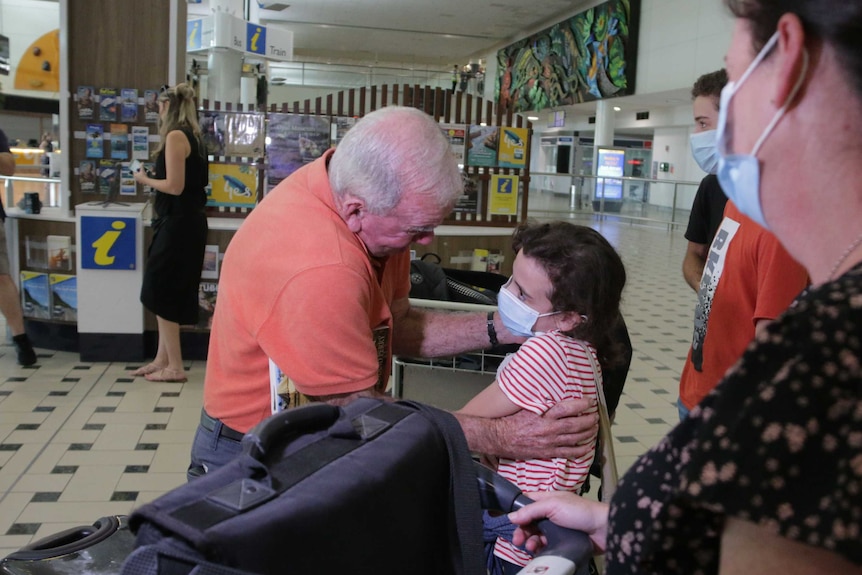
{"points": [[436, 33]]}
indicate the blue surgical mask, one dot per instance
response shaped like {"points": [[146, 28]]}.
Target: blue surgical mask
{"points": [[518, 317], [739, 174], [704, 151]]}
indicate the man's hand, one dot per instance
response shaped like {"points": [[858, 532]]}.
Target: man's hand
{"points": [[560, 432]]}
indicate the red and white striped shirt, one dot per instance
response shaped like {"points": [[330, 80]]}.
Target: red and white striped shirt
{"points": [[546, 370]]}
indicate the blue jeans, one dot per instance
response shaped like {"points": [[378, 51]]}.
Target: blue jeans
{"points": [[683, 410], [211, 451], [494, 527]]}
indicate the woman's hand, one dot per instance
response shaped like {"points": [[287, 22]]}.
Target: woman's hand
{"points": [[564, 509]]}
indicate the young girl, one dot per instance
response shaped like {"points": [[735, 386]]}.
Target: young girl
{"points": [[564, 294]]}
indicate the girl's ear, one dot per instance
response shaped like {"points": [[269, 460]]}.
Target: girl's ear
{"points": [[569, 320]]}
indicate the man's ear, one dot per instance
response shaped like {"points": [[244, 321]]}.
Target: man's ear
{"points": [[352, 210], [790, 51]]}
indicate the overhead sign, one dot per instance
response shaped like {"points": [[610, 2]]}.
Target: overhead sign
{"points": [[221, 30]]}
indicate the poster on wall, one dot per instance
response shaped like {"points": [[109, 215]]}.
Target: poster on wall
{"points": [[209, 269], [207, 295], [108, 104], [295, 140], [503, 195], [127, 180], [87, 176], [340, 126], [243, 135], [119, 141], [468, 202], [140, 143], [107, 176], [84, 100], [151, 106], [95, 147], [212, 132], [513, 148], [129, 105], [482, 146], [232, 185], [5, 67], [457, 136]]}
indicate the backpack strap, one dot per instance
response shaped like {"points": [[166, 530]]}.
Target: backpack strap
{"points": [[464, 507], [610, 476]]}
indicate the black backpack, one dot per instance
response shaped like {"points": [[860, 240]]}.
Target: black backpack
{"points": [[373, 487]]}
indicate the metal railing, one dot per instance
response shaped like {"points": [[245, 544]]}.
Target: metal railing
{"points": [[647, 200]]}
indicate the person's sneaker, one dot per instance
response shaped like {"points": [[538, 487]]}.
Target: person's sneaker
{"points": [[26, 354]]}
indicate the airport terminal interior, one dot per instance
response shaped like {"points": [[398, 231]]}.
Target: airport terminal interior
{"points": [[80, 440]]}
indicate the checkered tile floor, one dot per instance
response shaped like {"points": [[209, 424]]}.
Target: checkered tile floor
{"points": [[82, 440]]}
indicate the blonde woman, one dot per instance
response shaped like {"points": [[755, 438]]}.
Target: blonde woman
{"points": [[175, 257]]}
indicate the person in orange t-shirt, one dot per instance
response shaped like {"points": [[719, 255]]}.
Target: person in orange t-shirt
{"points": [[749, 279]]}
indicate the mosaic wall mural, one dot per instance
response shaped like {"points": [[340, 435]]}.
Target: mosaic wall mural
{"points": [[590, 56]]}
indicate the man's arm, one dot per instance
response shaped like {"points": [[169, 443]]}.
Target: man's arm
{"points": [[433, 333], [693, 263], [560, 432]]}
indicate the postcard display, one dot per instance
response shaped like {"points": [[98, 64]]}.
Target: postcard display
{"points": [[118, 125]]}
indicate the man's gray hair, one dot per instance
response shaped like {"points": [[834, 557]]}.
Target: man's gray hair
{"points": [[393, 151]]}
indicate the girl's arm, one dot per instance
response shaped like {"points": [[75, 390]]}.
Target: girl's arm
{"points": [[490, 402]]}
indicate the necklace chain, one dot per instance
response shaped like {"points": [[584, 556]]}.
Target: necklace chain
{"points": [[844, 256]]}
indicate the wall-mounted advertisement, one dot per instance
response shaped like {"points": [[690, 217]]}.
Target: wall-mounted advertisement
{"points": [[232, 185], [611, 164]]}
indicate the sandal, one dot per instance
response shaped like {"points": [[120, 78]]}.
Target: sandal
{"points": [[167, 375], [149, 368]]}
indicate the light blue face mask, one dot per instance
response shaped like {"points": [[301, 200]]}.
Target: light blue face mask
{"points": [[704, 151], [739, 174]]}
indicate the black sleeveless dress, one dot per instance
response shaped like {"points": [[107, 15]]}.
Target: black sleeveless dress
{"points": [[175, 257]]}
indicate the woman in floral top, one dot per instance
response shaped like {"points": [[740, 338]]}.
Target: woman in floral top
{"points": [[766, 475]]}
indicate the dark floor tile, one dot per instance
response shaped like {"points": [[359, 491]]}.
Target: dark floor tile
{"points": [[634, 406], [662, 367], [64, 469], [45, 497], [116, 394], [170, 394], [146, 447], [163, 410], [125, 379], [93, 426], [80, 446], [156, 426], [626, 439], [5, 393], [80, 367], [71, 379], [654, 420], [23, 528], [27, 426], [58, 393], [641, 379], [44, 408], [14, 379], [660, 391], [10, 446], [137, 469], [106, 409], [124, 496]]}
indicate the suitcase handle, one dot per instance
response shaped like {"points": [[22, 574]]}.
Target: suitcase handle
{"points": [[573, 547], [284, 424]]}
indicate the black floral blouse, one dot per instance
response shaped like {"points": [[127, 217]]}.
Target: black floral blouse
{"points": [[777, 443]]}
